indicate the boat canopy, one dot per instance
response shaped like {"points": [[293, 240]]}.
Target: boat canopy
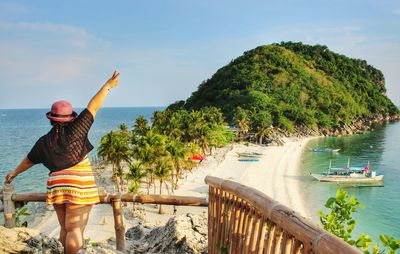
{"points": [[346, 169]]}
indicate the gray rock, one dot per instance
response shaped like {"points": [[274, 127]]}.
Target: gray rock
{"points": [[27, 240], [182, 234], [137, 232]]}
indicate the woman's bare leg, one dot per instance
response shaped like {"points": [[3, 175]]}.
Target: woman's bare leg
{"points": [[60, 211], [76, 218]]}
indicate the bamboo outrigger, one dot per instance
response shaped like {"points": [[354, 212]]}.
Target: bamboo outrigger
{"points": [[240, 220]]}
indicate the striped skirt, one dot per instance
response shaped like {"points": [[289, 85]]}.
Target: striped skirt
{"points": [[74, 185]]}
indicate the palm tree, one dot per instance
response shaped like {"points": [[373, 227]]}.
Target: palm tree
{"points": [[136, 173], [262, 123], [179, 155], [242, 121], [140, 128], [147, 150], [162, 169], [114, 150]]}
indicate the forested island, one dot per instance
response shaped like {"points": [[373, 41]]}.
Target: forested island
{"points": [[292, 85]]}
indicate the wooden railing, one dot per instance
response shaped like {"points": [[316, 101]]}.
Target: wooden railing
{"points": [[12, 200], [242, 219]]}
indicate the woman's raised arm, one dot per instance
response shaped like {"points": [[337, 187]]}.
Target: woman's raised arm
{"points": [[97, 100]]}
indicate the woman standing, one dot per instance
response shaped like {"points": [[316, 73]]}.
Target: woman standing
{"points": [[71, 187]]}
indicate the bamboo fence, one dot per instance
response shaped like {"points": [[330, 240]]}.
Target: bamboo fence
{"points": [[242, 219], [12, 200]]}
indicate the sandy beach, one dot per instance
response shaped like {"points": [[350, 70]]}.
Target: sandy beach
{"points": [[276, 174]]}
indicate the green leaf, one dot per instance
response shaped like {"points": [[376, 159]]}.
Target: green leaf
{"points": [[329, 202]]}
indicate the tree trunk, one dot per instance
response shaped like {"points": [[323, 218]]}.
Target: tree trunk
{"points": [[118, 184], [148, 185], [178, 175], [161, 211]]}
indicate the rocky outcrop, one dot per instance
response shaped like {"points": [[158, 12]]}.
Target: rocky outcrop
{"points": [[27, 240], [182, 234], [360, 125]]}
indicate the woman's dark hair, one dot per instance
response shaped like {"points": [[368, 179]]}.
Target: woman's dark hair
{"points": [[55, 123]]}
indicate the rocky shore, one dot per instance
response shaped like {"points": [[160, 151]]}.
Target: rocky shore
{"points": [[182, 234], [358, 126]]}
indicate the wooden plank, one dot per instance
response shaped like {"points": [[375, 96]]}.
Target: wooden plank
{"points": [[262, 236], [255, 233], [217, 231], [235, 238], [283, 244], [296, 248], [118, 224], [276, 242], [248, 230], [212, 220], [270, 238], [228, 234], [127, 197], [9, 206], [246, 211], [289, 245]]}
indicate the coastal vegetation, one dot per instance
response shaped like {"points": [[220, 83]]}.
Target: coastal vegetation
{"points": [[339, 221], [291, 85], [159, 151]]}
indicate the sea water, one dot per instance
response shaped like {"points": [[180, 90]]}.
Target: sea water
{"points": [[20, 128], [380, 147]]}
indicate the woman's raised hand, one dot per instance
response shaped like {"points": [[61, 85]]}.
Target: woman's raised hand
{"points": [[114, 80]]}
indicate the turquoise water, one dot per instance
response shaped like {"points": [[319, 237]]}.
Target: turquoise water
{"points": [[20, 128], [381, 147]]}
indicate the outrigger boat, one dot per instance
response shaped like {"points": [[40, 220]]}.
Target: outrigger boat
{"points": [[349, 175], [329, 150], [252, 154], [249, 157]]}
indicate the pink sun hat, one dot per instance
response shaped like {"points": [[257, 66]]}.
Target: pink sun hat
{"points": [[61, 111]]}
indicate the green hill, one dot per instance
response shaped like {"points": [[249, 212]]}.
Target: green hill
{"points": [[294, 84]]}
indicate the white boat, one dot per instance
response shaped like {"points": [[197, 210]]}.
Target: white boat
{"points": [[328, 150], [349, 175]]}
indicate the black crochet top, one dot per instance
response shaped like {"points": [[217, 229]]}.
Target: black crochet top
{"points": [[65, 145]]}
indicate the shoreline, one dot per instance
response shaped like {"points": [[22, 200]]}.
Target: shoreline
{"points": [[277, 174]]}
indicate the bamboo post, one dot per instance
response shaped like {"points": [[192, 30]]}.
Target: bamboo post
{"points": [[9, 206], [118, 223]]}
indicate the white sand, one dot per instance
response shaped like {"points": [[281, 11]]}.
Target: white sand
{"points": [[277, 174]]}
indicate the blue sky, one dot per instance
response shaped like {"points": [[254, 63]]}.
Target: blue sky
{"points": [[52, 50]]}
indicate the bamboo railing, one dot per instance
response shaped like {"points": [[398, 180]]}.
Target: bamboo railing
{"points": [[242, 219], [12, 200]]}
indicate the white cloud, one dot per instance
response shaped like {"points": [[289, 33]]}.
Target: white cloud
{"points": [[12, 8], [44, 53], [74, 36]]}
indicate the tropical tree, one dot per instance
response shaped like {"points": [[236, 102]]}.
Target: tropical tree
{"points": [[262, 122], [242, 120], [179, 154], [136, 173], [150, 147], [163, 167], [140, 128], [114, 150]]}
